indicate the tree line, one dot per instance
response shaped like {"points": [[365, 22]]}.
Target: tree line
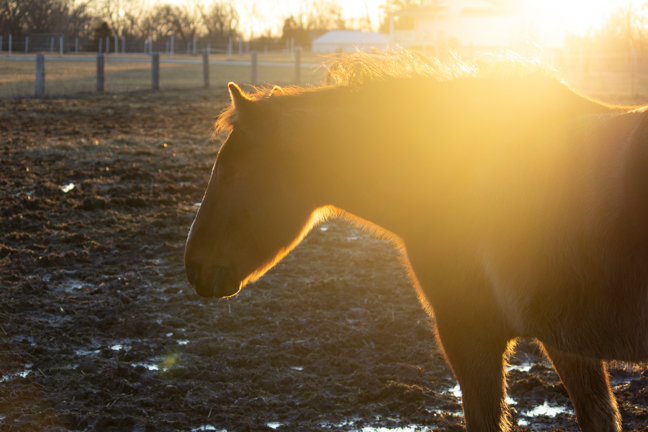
{"points": [[214, 20]]}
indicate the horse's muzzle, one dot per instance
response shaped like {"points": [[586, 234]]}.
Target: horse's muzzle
{"points": [[213, 283]]}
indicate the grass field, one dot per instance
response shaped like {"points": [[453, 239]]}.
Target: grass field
{"points": [[17, 78]]}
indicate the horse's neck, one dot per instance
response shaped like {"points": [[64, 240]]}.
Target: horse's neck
{"points": [[395, 172], [372, 176]]}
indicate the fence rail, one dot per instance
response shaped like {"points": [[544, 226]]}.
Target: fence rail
{"points": [[157, 75], [115, 45]]}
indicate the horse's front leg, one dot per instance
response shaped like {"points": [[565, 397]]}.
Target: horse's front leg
{"points": [[587, 383], [475, 353]]}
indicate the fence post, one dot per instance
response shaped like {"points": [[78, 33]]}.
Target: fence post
{"points": [[253, 67], [0, 43], [292, 47], [26, 44], [107, 44], [123, 45], [40, 76], [116, 44], [240, 47], [155, 71], [61, 46], [76, 44], [9, 45], [195, 46], [171, 53], [100, 72], [205, 53], [229, 47], [298, 53], [100, 46]]}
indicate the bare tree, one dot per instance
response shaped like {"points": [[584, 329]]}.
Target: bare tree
{"points": [[220, 20], [44, 16], [123, 16], [182, 20], [321, 16], [12, 16]]}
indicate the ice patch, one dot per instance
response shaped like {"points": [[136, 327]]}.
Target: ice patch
{"points": [[85, 352], [207, 428], [182, 341], [447, 413], [410, 428], [149, 366], [524, 367], [324, 228], [297, 368], [67, 188], [21, 374], [546, 410], [455, 391], [71, 285], [274, 425]]}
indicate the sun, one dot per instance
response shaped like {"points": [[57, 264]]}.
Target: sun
{"points": [[579, 16]]}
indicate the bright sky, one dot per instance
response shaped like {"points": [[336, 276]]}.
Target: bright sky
{"points": [[257, 16], [574, 15], [579, 15]]}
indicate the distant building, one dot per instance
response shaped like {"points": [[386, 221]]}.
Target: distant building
{"points": [[350, 41], [464, 26]]}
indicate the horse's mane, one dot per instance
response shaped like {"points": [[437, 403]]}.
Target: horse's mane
{"points": [[358, 69]]}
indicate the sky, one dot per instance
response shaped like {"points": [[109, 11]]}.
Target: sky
{"points": [[259, 16], [578, 16]]}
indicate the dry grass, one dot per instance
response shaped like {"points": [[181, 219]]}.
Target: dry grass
{"points": [[17, 78]]}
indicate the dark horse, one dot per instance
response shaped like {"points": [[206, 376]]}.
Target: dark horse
{"points": [[520, 208]]}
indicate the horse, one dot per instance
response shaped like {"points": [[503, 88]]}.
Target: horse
{"points": [[520, 208]]}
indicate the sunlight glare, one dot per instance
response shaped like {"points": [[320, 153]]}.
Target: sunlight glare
{"points": [[578, 16]]}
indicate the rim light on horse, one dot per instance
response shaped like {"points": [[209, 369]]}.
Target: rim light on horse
{"points": [[520, 208]]}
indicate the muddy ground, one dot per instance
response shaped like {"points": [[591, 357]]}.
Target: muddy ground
{"points": [[100, 331]]}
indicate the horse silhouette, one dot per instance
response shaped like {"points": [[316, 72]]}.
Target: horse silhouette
{"points": [[519, 206]]}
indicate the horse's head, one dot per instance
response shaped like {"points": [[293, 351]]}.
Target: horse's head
{"points": [[255, 209]]}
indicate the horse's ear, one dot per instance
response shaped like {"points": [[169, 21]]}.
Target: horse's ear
{"points": [[239, 99], [276, 90]]}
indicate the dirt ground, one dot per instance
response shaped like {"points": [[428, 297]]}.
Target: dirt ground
{"points": [[99, 330]]}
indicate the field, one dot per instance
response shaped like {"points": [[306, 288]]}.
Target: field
{"points": [[17, 78], [99, 330]]}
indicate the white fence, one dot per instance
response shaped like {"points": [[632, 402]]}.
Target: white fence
{"points": [[157, 80]]}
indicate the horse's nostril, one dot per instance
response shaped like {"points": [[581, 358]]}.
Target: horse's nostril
{"points": [[192, 274]]}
